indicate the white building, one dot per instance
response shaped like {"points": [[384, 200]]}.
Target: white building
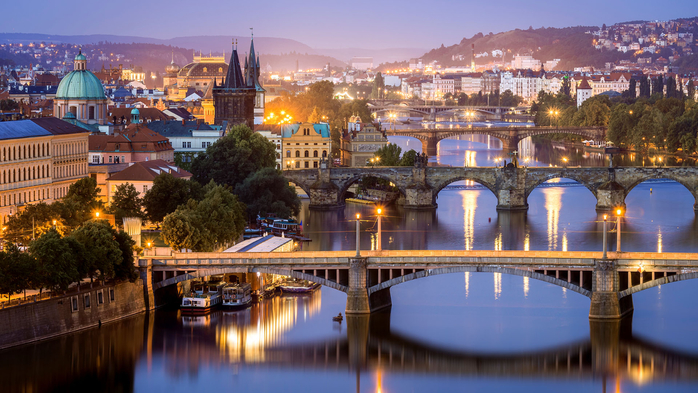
{"points": [[583, 92], [525, 62], [276, 140]]}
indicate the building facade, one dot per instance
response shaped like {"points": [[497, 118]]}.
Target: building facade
{"points": [[81, 93], [305, 144], [39, 160], [364, 140]]}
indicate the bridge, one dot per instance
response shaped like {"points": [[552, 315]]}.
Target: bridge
{"points": [[430, 111], [420, 186], [367, 279], [509, 136]]}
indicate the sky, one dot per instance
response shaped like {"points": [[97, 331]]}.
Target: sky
{"points": [[371, 24]]}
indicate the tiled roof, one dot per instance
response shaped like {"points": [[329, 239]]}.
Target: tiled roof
{"points": [[148, 171], [174, 128]]}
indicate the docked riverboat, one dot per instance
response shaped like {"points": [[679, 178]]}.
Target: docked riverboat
{"points": [[293, 285], [237, 296], [279, 226], [203, 298]]}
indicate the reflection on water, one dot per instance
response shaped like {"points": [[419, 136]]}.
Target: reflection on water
{"points": [[368, 354], [553, 204], [469, 206]]}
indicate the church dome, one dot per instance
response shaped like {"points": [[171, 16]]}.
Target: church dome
{"points": [[207, 70], [80, 56], [135, 111], [172, 68], [81, 85]]}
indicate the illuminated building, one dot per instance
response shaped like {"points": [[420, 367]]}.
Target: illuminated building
{"points": [[39, 160], [81, 93]]}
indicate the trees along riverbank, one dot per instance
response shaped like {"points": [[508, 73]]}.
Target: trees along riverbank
{"points": [[240, 182], [663, 121]]}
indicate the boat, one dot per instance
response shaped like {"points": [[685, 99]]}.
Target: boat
{"points": [[280, 226], [293, 285], [338, 318], [237, 296], [203, 298]]}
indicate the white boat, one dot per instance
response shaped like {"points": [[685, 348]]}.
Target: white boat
{"points": [[293, 285], [237, 296], [203, 297]]}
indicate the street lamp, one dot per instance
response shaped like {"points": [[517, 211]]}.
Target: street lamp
{"points": [[564, 160], [604, 236], [619, 213], [379, 242], [97, 215], [358, 241], [553, 115]]}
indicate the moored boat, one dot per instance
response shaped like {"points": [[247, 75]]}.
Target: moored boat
{"points": [[293, 285], [203, 298], [237, 296]]}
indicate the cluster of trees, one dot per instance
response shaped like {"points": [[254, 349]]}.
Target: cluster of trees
{"points": [[478, 99], [318, 104], [391, 155], [667, 119], [241, 182], [54, 261], [8, 105]]}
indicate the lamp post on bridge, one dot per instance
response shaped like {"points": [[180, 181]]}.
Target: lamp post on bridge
{"points": [[358, 240], [619, 213], [379, 245], [605, 245]]}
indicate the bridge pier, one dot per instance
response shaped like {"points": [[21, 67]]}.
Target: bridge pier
{"points": [[511, 193], [605, 304], [610, 196], [358, 299], [429, 146], [145, 267]]}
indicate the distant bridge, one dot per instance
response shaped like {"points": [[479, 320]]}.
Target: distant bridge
{"points": [[509, 136], [430, 111]]}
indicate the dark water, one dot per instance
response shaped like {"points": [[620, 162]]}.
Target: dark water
{"points": [[477, 332]]}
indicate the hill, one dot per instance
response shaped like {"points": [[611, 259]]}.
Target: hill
{"points": [[571, 44]]}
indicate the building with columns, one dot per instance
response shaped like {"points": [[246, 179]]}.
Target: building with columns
{"points": [[81, 93], [39, 160]]}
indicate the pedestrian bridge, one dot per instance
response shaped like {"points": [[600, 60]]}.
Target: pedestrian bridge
{"points": [[367, 279]]}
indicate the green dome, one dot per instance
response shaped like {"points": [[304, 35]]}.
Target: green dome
{"points": [[80, 56], [80, 85], [135, 111]]}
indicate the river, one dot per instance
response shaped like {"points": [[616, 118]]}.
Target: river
{"points": [[459, 332]]}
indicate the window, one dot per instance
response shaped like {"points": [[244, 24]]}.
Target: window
{"points": [[186, 145], [205, 144], [324, 154], [100, 298], [314, 164], [306, 154], [315, 153], [298, 164], [298, 153], [87, 301], [307, 164], [288, 153], [110, 159], [74, 304], [95, 159], [123, 158], [145, 189], [111, 294]]}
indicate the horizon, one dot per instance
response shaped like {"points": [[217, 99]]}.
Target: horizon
{"points": [[386, 25]]}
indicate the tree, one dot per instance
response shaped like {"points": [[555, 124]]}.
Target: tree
{"points": [[644, 87], [408, 158], [167, 193], [203, 226], [126, 270], [102, 251], [566, 87], [267, 191], [79, 204], [632, 89], [126, 202], [17, 270], [56, 267], [691, 90], [234, 157], [620, 124], [509, 99], [658, 86], [31, 223], [389, 155], [671, 87]]}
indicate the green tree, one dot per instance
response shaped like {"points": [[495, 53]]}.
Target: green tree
{"points": [[566, 87], [408, 158], [31, 223], [169, 192], [126, 270], [644, 87], [102, 251], [267, 191], [216, 221], [79, 204], [17, 271], [126, 203], [509, 99], [56, 267], [234, 157], [691, 90], [620, 124], [389, 155]]}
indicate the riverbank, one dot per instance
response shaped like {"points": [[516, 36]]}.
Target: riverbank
{"points": [[87, 308]]}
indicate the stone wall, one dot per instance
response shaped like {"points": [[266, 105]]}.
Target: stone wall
{"points": [[66, 314]]}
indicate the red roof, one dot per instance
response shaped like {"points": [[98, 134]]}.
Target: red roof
{"points": [[584, 84], [148, 171]]}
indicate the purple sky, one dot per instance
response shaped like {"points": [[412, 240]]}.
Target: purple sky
{"points": [[327, 23]]}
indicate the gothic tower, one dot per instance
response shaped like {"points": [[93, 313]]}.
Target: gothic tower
{"points": [[233, 98], [252, 72]]}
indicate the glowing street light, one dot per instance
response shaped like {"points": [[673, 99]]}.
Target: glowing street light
{"points": [[358, 240], [619, 213], [604, 236], [379, 245]]}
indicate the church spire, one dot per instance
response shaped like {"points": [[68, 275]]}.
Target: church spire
{"points": [[234, 78]]}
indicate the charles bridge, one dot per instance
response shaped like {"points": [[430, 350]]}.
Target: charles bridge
{"points": [[366, 279], [509, 136], [420, 186]]}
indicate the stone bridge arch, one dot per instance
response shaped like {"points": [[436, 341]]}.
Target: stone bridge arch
{"points": [[400, 109], [657, 282], [461, 177], [345, 184], [661, 175], [231, 270], [532, 184], [479, 269]]}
